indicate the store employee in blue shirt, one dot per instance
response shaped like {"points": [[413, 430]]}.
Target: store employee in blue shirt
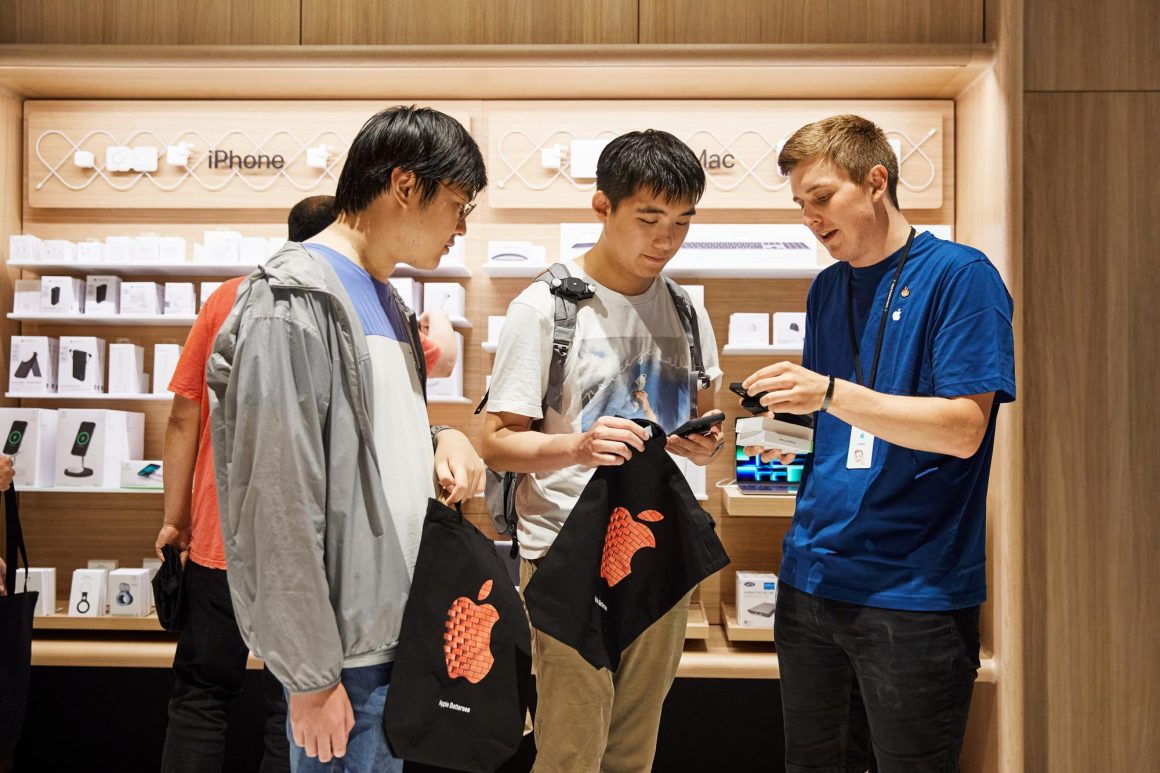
{"points": [[908, 355]]}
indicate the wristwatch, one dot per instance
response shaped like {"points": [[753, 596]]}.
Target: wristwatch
{"points": [[829, 396]]}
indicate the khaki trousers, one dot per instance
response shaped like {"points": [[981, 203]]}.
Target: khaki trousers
{"points": [[592, 720]]}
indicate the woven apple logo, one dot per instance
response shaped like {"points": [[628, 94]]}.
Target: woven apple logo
{"points": [[467, 637], [624, 537]]}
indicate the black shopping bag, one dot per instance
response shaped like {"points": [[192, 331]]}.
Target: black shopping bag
{"points": [[635, 543], [169, 589], [459, 686], [16, 611]]}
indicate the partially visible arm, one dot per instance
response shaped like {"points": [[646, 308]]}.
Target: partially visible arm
{"points": [[941, 425], [182, 433], [436, 325], [511, 445]]}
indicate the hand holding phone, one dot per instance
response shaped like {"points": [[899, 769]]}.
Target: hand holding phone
{"points": [[701, 425], [751, 403]]}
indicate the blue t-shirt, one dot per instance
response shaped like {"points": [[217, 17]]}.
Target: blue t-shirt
{"points": [[909, 532]]}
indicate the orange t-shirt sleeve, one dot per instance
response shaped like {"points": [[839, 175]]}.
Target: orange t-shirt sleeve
{"points": [[431, 351], [189, 377]]}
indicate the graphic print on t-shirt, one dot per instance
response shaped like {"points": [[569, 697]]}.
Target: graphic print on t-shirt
{"points": [[625, 536], [634, 383]]}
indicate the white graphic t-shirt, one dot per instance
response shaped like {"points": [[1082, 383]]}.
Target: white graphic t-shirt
{"points": [[630, 358]]}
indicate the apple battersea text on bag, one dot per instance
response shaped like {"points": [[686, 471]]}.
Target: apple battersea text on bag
{"points": [[459, 686]]}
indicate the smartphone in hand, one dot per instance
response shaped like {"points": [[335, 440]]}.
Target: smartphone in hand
{"points": [[701, 425]]}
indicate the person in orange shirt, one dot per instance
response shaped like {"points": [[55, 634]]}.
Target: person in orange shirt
{"points": [[210, 662]]}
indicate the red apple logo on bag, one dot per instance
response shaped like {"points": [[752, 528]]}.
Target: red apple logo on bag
{"points": [[467, 637], [624, 537]]}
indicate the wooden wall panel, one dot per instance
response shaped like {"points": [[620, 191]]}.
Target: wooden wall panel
{"points": [[151, 22], [11, 212], [806, 21], [1073, 45], [1091, 368], [434, 22]]}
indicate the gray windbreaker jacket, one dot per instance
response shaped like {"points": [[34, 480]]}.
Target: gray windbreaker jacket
{"points": [[316, 572]]}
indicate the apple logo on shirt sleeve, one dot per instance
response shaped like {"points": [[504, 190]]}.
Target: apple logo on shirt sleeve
{"points": [[625, 536], [467, 637]]}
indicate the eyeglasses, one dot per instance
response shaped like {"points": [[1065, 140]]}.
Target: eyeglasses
{"points": [[465, 207]]}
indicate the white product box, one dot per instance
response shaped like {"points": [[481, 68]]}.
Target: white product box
{"points": [[756, 599], [147, 249], [92, 444], [254, 250], [206, 290], [82, 365], [449, 296], [152, 564], [129, 592], [90, 251], [108, 564], [180, 299], [747, 329], [33, 365], [62, 294], [165, 357], [222, 246], [451, 386], [516, 253], [494, 329], [172, 249], [119, 249], [25, 248], [87, 596], [142, 298], [126, 369], [27, 299], [43, 581], [789, 328], [31, 438], [59, 251], [411, 292], [696, 294], [102, 295], [142, 473], [770, 433]]}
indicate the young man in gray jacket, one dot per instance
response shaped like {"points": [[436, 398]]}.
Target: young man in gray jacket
{"points": [[324, 457]]}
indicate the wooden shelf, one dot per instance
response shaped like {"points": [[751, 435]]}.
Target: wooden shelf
{"points": [[793, 350], [758, 505], [490, 346], [461, 323], [443, 399], [165, 398], [158, 320], [735, 632], [134, 269], [698, 625], [64, 622]]}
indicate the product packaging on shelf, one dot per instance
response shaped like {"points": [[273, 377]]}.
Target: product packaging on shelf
{"points": [[31, 440], [165, 357], [43, 581], [102, 294], [87, 596], [756, 599], [81, 365], [62, 294], [127, 370], [92, 444], [33, 365]]}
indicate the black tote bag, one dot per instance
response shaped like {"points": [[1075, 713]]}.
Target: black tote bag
{"points": [[459, 686], [635, 543], [16, 611], [169, 590]]}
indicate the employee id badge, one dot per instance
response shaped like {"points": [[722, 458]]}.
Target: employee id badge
{"points": [[861, 452]]}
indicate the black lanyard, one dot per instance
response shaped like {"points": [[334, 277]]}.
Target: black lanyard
{"points": [[882, 325]]}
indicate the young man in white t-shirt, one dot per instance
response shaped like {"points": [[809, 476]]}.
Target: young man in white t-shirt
{"points": [[630, 358]]}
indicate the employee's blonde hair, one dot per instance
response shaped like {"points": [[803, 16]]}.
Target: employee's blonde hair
{"points": [[852, 143]]}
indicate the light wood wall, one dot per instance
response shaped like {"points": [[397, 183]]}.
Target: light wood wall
{"points": [[150, 22], [460, 22], [1091, 250]]}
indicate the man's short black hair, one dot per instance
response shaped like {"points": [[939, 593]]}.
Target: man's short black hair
{"points": [[430, 144], [652, 161], [310, 217]]}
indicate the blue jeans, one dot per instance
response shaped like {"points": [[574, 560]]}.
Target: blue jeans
{"points": [[863, 685], [366, 747]]}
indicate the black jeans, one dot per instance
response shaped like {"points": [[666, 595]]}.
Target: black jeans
{"points": [[209, 669], [862, 685]]}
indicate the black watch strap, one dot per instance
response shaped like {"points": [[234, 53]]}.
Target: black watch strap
{"points": [[829, 396]]}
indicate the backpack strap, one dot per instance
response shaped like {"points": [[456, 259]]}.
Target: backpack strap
{"points": [[568, 291], [688, 315]]}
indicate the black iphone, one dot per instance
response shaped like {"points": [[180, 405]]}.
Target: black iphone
{"points": [[701, 425]]}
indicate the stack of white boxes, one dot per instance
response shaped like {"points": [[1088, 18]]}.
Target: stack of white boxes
{"points": [[31, 438], [92, 444]]}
